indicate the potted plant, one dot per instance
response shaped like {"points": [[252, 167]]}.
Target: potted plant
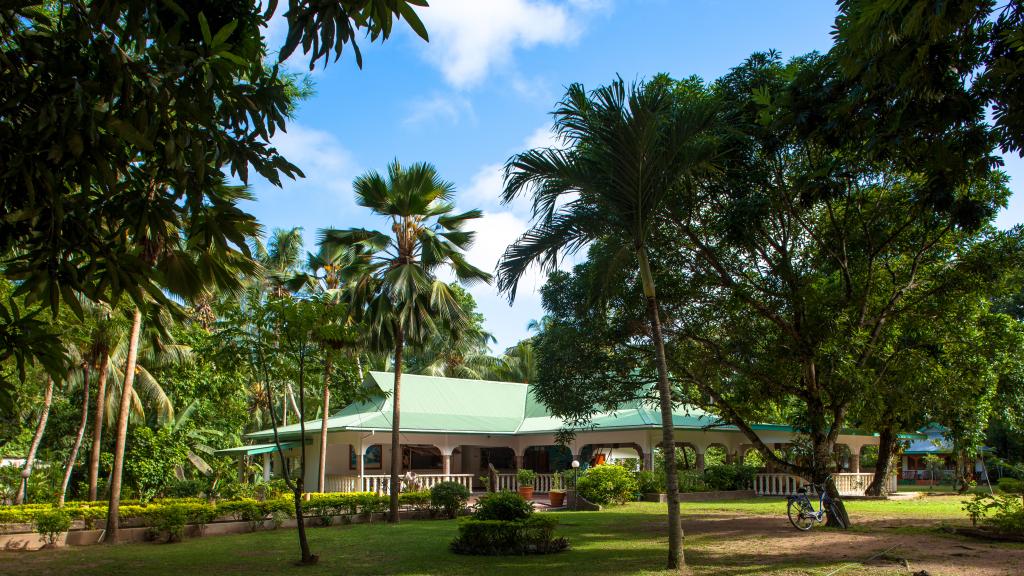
{"points": [[557, 494], [526, 478]]}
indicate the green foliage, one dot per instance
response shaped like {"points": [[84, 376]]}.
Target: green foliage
{"points": [[50, 524], [525, 477], [532, 535], [1010, 485], [648, 482], [1001, 513], [417, 500], [729, 477], [169, 520], [608, 484], [449, 497], [151, 459], [502, 506]]}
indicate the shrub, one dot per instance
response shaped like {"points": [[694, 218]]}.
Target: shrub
{"points": [[1008, 516], [503, 506], [167, 520], [187, 488], [449, 497], [608, 484], [532, 535], [526, 478], [648, 482], [1011, 485], [419, 500], [50, 524], [691, 481]]}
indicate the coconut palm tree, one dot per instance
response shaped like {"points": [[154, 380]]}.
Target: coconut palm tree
{"points": [[206, 253], [37, 437], [393, 283], [626, 149], [518, 364]]}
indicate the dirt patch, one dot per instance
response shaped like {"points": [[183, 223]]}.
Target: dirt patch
{"points": [[876, 543]]}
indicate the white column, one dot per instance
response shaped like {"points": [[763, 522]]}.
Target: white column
{"points": [[699, 461], [266, 465], [446, 462]]}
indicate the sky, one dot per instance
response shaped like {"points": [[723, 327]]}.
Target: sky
{"points": [[482, 90]]}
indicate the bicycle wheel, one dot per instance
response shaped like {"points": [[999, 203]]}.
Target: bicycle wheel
{"points": [[801, 516]]}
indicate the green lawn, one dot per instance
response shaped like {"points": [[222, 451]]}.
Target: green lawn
{"points": [[726, 538]]}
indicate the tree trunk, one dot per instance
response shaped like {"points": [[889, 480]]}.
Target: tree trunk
{"points": [[886, 449], [308, 558], [97, 427], [676, 560], [396, 451], [323, 424], [114, 504], [30, 459], [78, 437]]}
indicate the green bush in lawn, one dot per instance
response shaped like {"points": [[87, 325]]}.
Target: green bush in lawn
{"points": [[449, 497], [533, 535], [50, 524], [1010, 485], [503, 506], [607, 484]]}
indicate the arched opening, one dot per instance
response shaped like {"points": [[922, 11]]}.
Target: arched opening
{"points": [[751, 456], [547, 459], [715, 455]]}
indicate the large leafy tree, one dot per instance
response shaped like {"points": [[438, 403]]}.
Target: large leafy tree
{"points": [[793, 266], [627, 149], [96, 148], [393, 284]]}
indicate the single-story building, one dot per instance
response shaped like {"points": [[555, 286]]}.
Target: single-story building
{"points": [[455, 429]]}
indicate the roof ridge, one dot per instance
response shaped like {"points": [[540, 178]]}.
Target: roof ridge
{"points": [[404, 374]]}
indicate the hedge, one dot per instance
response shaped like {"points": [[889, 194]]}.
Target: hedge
{"points": [[165, 515], [533, 535]]}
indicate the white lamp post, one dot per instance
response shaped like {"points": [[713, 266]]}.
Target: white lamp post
{"points": [[575, 477]]}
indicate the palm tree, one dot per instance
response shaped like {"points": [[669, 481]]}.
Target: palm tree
{"points": [[393, 282], [107, 329], [518, 364], [37, 437], [626, 150], [208, 253]]}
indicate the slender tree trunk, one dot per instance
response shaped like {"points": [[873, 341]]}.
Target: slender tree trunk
{"points": [[323, 423], [396, 450], [78, 437], [886, 448], [307, 556], [676, 559], [97, 427], [114, 504], [30, 459]]}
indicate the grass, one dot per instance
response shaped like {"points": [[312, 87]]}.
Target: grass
{"points": [[623, 540]]}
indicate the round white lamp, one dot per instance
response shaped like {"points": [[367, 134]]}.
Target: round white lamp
{"points": [[575, 472]]}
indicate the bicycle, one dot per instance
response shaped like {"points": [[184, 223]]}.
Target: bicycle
{"points": [[801, 512]]}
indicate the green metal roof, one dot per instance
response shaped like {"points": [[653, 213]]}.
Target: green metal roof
{"points": [[459, 406], [254, 449]]}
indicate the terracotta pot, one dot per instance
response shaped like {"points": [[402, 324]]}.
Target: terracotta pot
{"points": [[557, 499], [526, 492]]}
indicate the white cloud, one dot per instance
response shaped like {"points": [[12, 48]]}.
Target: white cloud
{"points": [[326, 163], [469, 37], [445, 108]]}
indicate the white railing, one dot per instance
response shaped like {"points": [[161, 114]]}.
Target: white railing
{"points": [[506, 482], [541, 484], [848, 484], [336, 483], [379, 483]]}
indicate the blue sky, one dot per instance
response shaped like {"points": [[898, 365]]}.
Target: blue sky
{"points": [[482, 90]]}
